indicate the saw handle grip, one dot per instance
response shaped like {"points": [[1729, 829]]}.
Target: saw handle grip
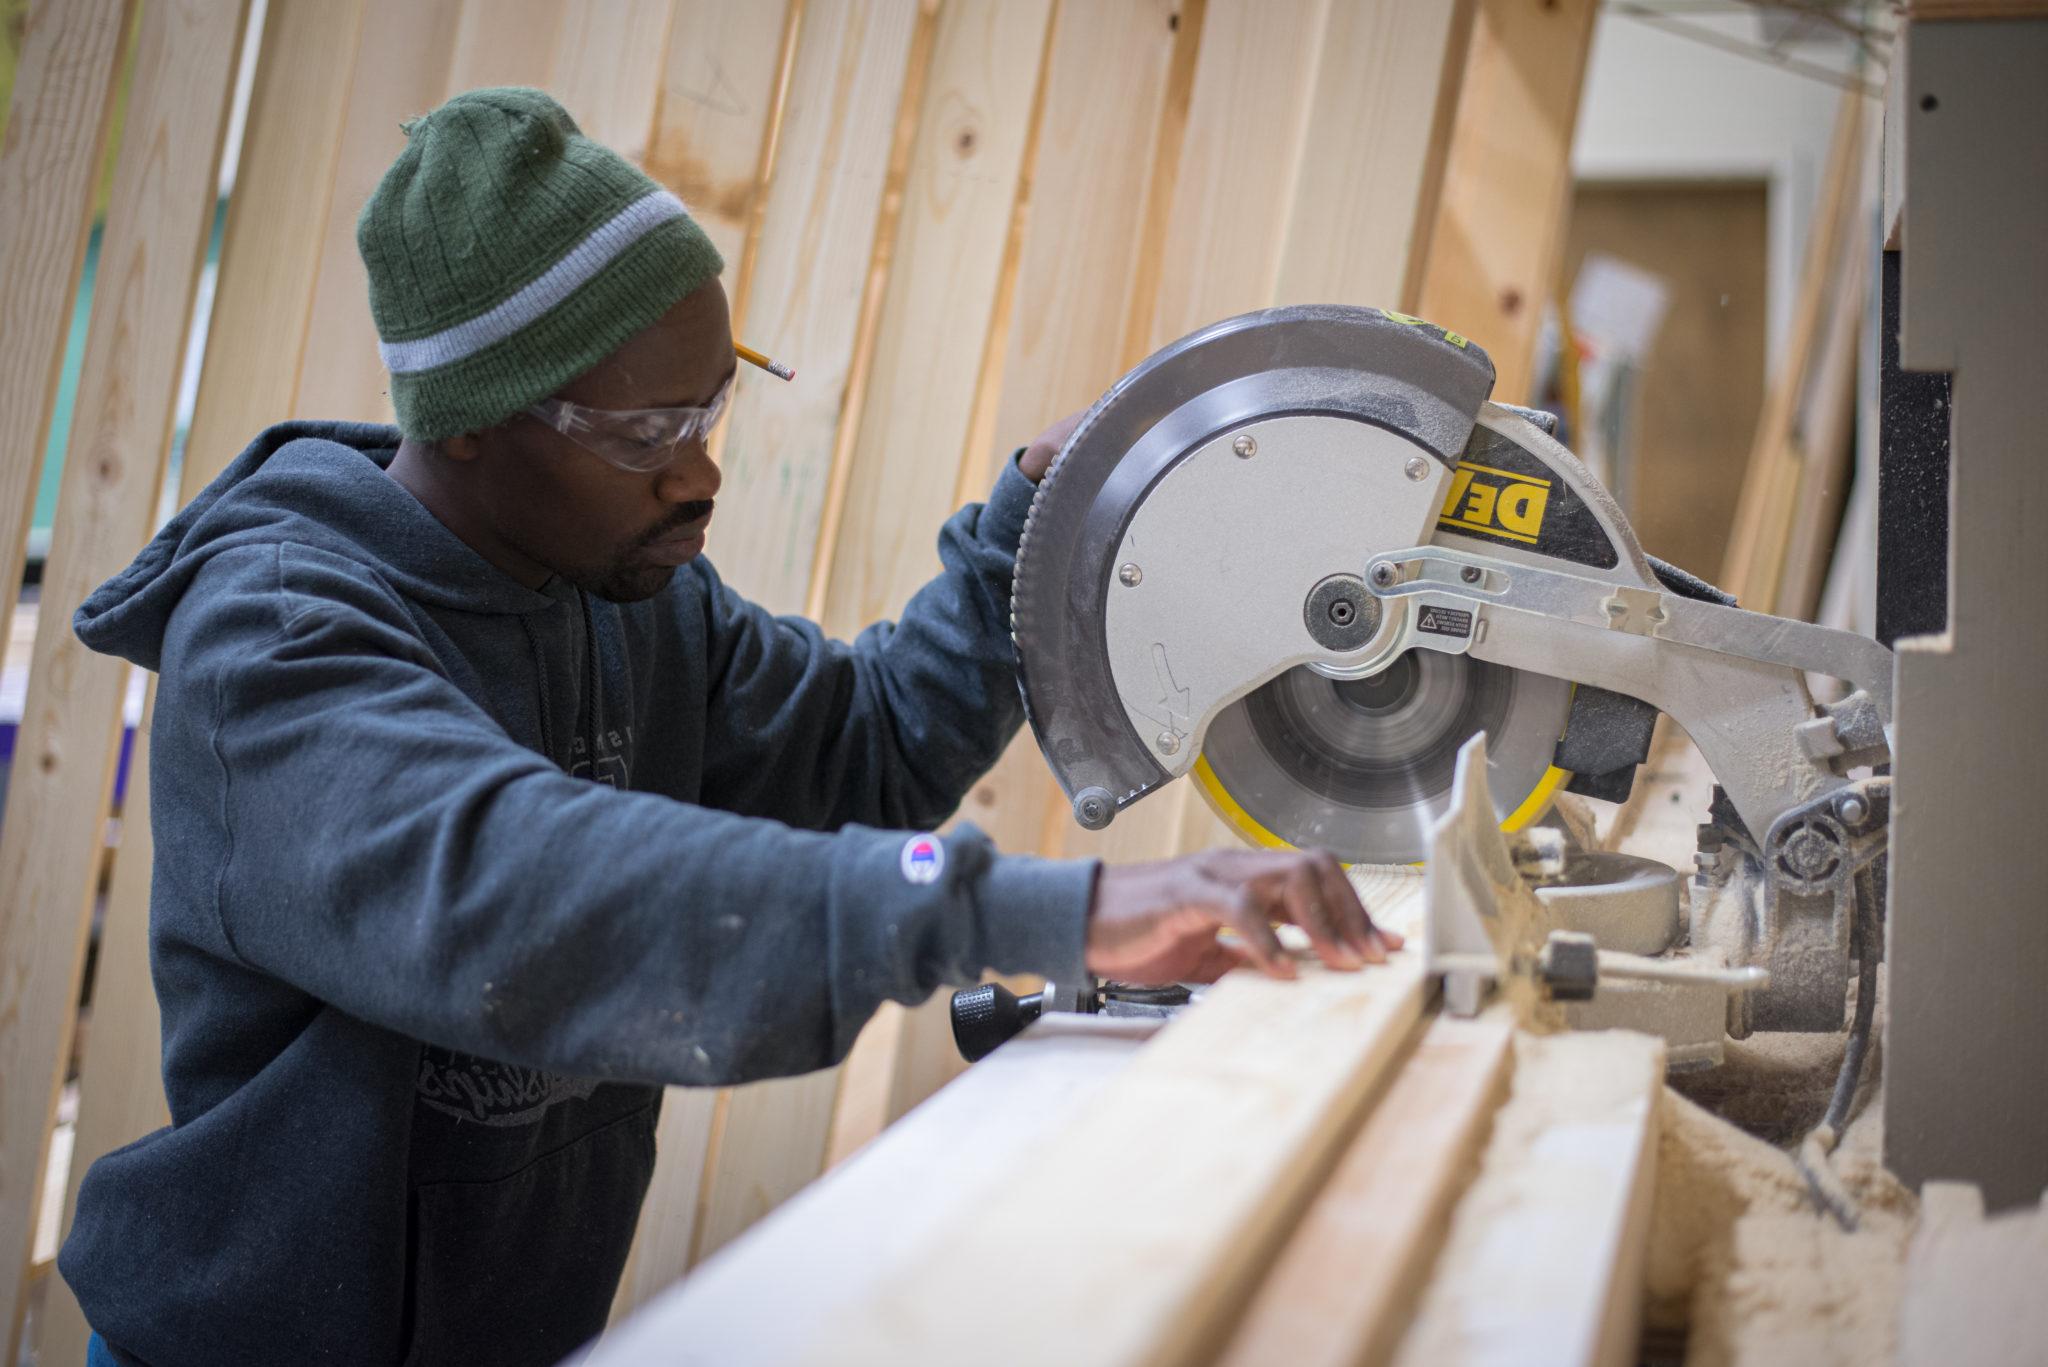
{"points": [[988, 1015]]}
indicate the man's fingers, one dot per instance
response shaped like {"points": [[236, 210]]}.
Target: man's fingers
{"points": [[1354, 925], [1306, 903], [1245, 915]]}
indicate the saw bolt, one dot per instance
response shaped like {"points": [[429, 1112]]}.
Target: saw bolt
{"points": [[1246, 446]]}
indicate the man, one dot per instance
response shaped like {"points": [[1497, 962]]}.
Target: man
{"points": [[483, 807]]}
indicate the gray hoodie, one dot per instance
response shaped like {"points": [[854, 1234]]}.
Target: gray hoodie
{"points": [[421, 977]]}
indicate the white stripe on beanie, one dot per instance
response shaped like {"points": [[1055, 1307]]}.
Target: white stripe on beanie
{"points": [[575, 270]]}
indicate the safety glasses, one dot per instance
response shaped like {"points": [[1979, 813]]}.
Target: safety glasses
{"points": [[640, 440]]}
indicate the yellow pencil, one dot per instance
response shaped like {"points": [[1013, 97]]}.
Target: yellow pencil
{"points": [[775, 368]]}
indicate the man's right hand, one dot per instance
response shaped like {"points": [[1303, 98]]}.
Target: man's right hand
{"points": [[1157, 923]]}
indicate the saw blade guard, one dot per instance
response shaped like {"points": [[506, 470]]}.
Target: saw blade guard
{"points": [[1358, 394]]}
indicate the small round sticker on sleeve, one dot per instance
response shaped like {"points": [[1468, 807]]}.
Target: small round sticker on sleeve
{"points": [[923, 859]]}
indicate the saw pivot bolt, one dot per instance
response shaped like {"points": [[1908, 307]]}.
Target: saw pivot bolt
{"points": [[1383, 575], [1246, 446], [1093, 808], [1130, 576], [1417, 468]]}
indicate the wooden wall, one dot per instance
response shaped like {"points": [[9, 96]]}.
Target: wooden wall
{"points": [[959, 219]]}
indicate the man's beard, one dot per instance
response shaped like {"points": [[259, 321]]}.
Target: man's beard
{"points": [[630, 578]]}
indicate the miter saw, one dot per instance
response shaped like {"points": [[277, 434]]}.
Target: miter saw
{"points": [[1300, 559]]}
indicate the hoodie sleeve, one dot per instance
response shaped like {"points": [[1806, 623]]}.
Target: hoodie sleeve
{"points": [[389, 849], [892, 729]]}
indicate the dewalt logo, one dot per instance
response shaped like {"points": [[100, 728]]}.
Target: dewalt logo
{"points": [[1495, 502]]}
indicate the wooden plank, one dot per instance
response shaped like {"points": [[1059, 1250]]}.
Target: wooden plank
{"points": [[255, 339], [1544, 1260], [55, 141], [819, 234], [70, 726], [1493, 253], [758, 1299], [721, 84], [722, 81], [1972, 1286], [505, 42], [1825, 418], [277, 225], [843, 140], [161, 213], [1755, 546], [1188, 1171], [121, 1094], [1383, 1209], [1079, 243], [608, 65], [1387, 83], [936, 322], [400, 70]]}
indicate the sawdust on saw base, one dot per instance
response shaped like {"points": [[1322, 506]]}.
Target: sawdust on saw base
{"points": [[1743, 1262]]}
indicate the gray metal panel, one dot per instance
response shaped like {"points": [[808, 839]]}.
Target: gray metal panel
{"points": [[1966, 1051]]}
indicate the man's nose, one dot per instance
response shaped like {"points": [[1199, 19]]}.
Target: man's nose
{"points": [[691, 475]]}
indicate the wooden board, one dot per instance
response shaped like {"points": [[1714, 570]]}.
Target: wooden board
{"points": [[56, 135], [852, 73], [505, 42], [942, 278], [839, 1240], [608, 66], [721, 89], [1544, 1259], [1131, 1237], [400, 71], [121, 1093], [1382, 1211], [160, 215], [818, 236], [1756, 542], [1492, 259], [1387, 80], [276, 228], [1972, 1286], [258, 329]]}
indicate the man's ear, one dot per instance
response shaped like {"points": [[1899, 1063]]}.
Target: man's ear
{"points": [[461, 448]]}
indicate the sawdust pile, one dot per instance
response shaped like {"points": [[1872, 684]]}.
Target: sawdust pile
{"points": [[1741, 1258]]}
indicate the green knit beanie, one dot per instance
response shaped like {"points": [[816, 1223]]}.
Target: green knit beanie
{"points": [[508, 254]]}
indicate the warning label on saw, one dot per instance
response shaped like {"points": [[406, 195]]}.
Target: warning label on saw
{"points": [[1445, 621]]}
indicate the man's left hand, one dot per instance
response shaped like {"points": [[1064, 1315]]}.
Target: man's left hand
{"points": [[1037, 457]]}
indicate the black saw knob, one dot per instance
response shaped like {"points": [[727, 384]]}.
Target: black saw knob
{"points": [[986, 1016]]}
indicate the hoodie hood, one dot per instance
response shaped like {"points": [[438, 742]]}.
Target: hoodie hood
{"points": [[317, 484]]}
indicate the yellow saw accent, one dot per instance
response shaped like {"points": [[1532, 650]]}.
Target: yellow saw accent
{"points": [[1248, 828]]}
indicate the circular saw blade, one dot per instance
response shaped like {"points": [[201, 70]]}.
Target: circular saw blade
{"points": [[1362, 767]]}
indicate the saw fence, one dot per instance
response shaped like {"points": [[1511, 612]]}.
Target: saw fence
{"points": [[959, 219]]}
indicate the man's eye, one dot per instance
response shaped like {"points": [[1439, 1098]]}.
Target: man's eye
{"points": [[651, 431]]}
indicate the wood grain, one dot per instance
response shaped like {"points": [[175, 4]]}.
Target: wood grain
{"points": [[1142, 1227], [506, 42], [56, 136], [818, 236], [1340, 1291], [1387, 82], [1493, 253], [1544, 1259], [939, 322], [856, 74], [608, 66], [1757, 540], [715, 116], [55, 140], [400, 70]]}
